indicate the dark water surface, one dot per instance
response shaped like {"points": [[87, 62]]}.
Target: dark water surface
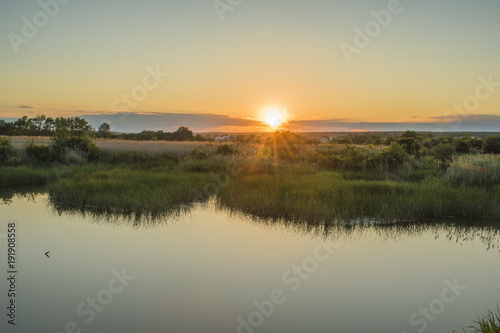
{"points": [[206, 270]]}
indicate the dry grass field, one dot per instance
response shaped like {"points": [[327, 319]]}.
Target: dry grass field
{"points": [[113, 146]]}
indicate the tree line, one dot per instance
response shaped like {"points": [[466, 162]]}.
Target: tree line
{"points": [[41, 125]]}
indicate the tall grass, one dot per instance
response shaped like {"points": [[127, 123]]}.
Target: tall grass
{"points": [[26, 175], [326, 197], [474, 170], [129, 191], [488, 323]]}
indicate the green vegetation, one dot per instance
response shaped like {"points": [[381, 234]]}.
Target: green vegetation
{"points": [[327, 196], [474, 170], [7, 151], [491, 145], [28, 175], [488, 323], [127, 190], [405, 177]]}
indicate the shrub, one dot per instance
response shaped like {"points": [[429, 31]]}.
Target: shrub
{"points": [[39, 153], [462, 147], [224, 150], [14, 162], [491, 145], [394, 156], [198, 154], [67, 147], [7, 150], [444, 152]]}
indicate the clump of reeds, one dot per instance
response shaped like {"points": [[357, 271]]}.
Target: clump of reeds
{"points": [[474, 170], [487, 323]]}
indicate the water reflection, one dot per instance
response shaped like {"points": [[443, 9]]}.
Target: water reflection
{"points": [[29, 193], [458, 231], [141, 220]]}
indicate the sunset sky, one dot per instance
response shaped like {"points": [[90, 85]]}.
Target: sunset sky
{"points": [[219, 65]]}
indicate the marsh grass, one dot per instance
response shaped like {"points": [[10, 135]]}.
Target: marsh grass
{"points": [[26, 175], [487, 323], [126, 190], [327, 196], [474, 170]]}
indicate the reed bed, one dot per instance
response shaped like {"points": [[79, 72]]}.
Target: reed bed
{"points": [[474, 170]]}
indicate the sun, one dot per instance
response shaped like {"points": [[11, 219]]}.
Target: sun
{"points": [[274, 116]]}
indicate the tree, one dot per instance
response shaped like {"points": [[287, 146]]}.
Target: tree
{"points": [[104, 130], [410, 134], [491, 145], [36, 124], [182, 134]]}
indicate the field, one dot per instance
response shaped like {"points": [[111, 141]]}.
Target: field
{"points": [[113, 146]]}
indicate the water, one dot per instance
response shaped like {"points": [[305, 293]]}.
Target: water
{"points": [[204, 270]]}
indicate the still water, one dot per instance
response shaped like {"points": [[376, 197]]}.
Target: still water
{"points": [[209, 270]]}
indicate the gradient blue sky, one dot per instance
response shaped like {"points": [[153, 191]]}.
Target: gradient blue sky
{"points": [[275, 52]]}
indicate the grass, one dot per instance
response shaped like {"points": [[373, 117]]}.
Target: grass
{"points": [[125, 190], [262, 187], [475, 170], [327, 196], [487, 323], [291, 183], [28, 175]]}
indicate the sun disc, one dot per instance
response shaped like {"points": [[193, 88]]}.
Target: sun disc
{"points": [[274, 116]]}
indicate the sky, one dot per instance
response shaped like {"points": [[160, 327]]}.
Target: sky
{"points": [[325, 65]]}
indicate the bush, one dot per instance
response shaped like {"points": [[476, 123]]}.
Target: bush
{"points": [[224, 150], [66, 148], [39, 153], [198, 154], [444, 151], [462, 147], [394, 156], [7, 150], [491, 145], [411, 145], [14, 162]]}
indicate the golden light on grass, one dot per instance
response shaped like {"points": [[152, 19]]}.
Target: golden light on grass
{"points": [[274, 116]]}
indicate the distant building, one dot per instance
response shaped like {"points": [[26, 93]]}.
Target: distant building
{"points": [[223, 138]]}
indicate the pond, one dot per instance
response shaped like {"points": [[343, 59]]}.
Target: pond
{"points": [[205, 269]]}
